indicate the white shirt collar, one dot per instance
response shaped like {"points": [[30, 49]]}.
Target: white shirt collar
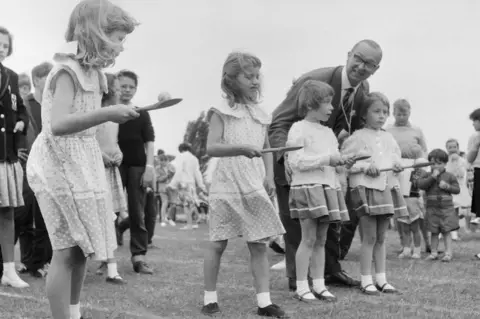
{"points": [[346, 82]]}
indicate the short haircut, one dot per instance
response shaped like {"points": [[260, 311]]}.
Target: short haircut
{"points": [[369, 42], [311, 94], [452, 140], [24, 79], [438, 155], [475, 115], [160, 152], [129, 74], [42, 70], [5, 31], [401, 105], [184, 147]]}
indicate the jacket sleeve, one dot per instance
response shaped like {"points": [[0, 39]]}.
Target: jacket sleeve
{"points": [[425, 181], [148, 133], [454, 186], [21, 110]]}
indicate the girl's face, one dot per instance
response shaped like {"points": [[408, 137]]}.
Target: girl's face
{"points": [[377, 114], [452, 147], [117, 37], [4, 46], [248, 82], [322, 113]]}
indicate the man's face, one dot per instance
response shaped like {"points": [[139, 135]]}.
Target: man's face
{"points": [[127, 89], [362, 62]]}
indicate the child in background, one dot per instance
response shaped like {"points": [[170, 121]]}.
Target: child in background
{"points": [[107, 136], [439, 186], [413, 146], [164, 173], [239, 201], [316, 198], [458, 166], [375, 195]]}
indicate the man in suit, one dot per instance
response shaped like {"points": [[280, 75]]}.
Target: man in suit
{"points": [[351, 86]]}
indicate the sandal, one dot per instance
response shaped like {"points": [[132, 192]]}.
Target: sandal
{"points": [[302, 297], [387, 290], [320, 296], [370, 292]]}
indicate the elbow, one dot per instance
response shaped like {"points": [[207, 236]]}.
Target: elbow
{"points": [[57, 129]]}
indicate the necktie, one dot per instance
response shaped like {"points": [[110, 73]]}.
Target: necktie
{"points": [[347, 108]]}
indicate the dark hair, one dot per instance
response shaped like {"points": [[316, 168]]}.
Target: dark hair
{"points": [[475, 115], [111, 89], [41, 70], [129, 74], [184, 147], [160, 152], [438, 155], [5, 31], [311, 94], [24, 79], [371, 99]]}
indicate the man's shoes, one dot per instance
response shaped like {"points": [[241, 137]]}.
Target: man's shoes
{"points": [[142, 267], [341, 279], [277, 248]]}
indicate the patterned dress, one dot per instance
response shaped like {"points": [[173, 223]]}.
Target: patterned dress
{"points": [[107, 136], [239, 205], [67, 172]]}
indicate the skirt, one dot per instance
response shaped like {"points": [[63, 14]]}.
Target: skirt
{"points": [[11, 185], [373, 202], [416, 210], [318, 201], [114, 180]]}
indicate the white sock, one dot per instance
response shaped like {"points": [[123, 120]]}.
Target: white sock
{"points": [[319, 285], [112, 271], [75, 311], [381, 279], [366, 280], [263, 299], [302, 287], [9, 268], [210, 297]]}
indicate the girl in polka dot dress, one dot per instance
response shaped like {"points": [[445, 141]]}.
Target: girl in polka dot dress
{"points": [[239, 202], [65, 168]]}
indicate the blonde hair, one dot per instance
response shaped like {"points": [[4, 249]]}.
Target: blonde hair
{"points": [[236, 64], [372, 98], [452, 140], [311, 94], [401, 104], [90, 24]]}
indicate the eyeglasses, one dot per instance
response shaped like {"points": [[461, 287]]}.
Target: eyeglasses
{"points": [[368, 65]]}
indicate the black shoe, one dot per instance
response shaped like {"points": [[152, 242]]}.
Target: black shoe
{"points": [[341, 279], [277, 248], [272, 311], [210, 309], [142, 267]]}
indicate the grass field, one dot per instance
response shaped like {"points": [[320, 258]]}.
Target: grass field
{"points": [[430, 289]]}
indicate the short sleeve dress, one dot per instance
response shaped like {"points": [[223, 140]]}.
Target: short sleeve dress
{"points": [[67, 172], [239, 205]]}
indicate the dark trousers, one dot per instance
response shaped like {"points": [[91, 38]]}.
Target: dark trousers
{"points": [[136, 197], [348, 229], [293, 236], [30, 230], [141, 210]]}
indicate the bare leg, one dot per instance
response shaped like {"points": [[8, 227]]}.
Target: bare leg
{"points": [[211, 265], [79, 262], [447, 239], [368, 226], [318, 261], [303, 256], [379, 252]]}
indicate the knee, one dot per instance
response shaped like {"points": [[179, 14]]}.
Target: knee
{"points": [[321, 240], [218, 247], [308, 242], [369, 239]]}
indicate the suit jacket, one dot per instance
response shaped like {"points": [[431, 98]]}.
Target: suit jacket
{"points": [[287, 113], [12, 110]]}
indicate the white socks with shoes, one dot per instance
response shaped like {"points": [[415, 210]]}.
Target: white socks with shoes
{"points": [[210, 297]]}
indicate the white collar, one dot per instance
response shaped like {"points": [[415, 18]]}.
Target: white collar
{"points": [[346, 82]]}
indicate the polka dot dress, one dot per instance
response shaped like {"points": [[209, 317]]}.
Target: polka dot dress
{"points": [[67, 172], [239, 205]]}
